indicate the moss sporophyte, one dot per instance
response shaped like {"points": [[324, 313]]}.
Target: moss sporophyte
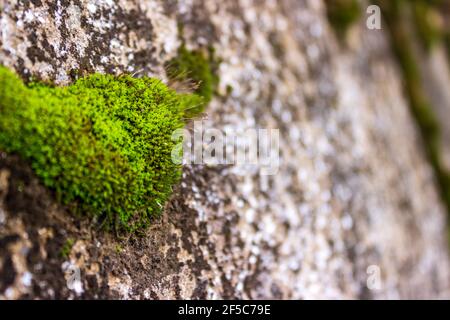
{"points": [[103, 144]]}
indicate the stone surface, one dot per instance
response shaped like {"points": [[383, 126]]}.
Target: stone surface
{"points": [[353, 193]]}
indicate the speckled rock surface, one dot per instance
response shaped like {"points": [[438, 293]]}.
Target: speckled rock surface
{"points": [[353, 190]]}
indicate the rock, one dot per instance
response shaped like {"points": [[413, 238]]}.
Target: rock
{"points": [[353, 212]]}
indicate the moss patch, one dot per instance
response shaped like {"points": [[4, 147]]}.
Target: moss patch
{"points": [[197, 70], [342, 14], [447, 44], [393, 12], [66, 248], [102, 144], [428, 21]]}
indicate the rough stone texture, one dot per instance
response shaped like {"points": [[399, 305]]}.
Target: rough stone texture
{"points": [[353, 189]]}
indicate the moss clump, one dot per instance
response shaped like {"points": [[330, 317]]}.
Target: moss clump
{"points": [[118, 248], [447, 43], [103, 144], [66, 248], [428, 22], [342, 14], [195, 69]]}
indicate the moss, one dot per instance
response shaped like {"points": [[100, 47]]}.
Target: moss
{"points": [[229, 89], [198, 71], [342, 14], [428, 22], [102, 144], [447, 43], [118, 248], [401, 39], [66, 248]]}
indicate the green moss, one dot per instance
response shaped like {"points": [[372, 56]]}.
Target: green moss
{"points": [[102, 144], [447, 43], [66, 248], [401, 39], [199, 71], [428, 22], [342, 14], [118, 248]]}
